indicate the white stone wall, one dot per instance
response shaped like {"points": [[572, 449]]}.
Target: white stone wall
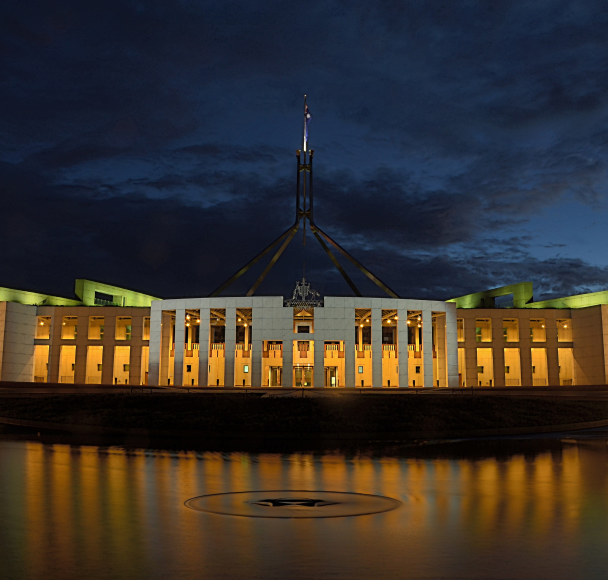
{"points": [[17, 331], [333, 322]]}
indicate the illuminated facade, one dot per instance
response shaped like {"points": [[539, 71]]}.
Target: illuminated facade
{"points": [[110, 335]]}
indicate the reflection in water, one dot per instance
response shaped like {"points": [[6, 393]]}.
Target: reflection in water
{"points": [[522, 509]]}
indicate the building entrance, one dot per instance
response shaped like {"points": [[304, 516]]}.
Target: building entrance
{"points": [[302, 376], [275, 377], [331, 376]]}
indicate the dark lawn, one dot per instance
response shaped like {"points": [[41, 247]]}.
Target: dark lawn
{"points": [[347, 414]]}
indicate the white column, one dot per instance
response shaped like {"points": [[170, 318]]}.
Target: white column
{"points": [[165, 346], [402, 345], [376, 347], [452, 343], [349, 345], [154, 352], [230, 345], [427, 345], [257, 338], [203, 353], [178, 355], [441, 346]]}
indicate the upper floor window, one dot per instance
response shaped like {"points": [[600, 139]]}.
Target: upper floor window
{"points": [[96, 324], [69, 327], [146, 334], [564, 330], [510, 329], [460, 328], [483, 329], [538, 333], [43, 327], [123, 328]]}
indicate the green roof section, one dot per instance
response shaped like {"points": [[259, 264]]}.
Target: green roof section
{"points": [[522, 295], [25, 297], [90, 293], [577, 301]]}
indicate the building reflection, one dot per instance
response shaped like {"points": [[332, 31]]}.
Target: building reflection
{"points": [[92, 511]]}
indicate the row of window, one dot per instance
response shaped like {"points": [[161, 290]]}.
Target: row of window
{"points": [[69, 327], [510, 330]]}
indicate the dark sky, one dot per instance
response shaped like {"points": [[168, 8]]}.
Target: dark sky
{"points": [[459, 145]]}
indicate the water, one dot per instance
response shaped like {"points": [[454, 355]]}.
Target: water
{"points": [[499, 510]]}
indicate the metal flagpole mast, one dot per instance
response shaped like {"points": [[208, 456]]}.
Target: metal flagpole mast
{"points": [[304, 212]]}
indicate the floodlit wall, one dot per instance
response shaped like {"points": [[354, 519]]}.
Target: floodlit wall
{"points": [[17, 330], [333, 323]]}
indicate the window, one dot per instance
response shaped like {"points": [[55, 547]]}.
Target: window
{"points": [[123, 328], [533, 369], [303, 329], [99, 367], [69, 327], [510, 330], [125, 367], [460, 328], [417, 370], [245, 368], [43, 328], [360, 370], [483, 330], [480, 370], [538, 332], [564, 330], [146, 334], [188, 368], [96, 325], [507, 370]]}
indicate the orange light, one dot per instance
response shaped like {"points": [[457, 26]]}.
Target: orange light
{"points": [[187, 324], [42, 324], [409, 322], [245, 324], [198, 319]]}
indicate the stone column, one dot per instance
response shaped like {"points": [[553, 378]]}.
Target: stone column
{"points": [[82, 339], [348, 331], [552, 344], [165, 346], [178, 355], [109, 342], [470, 345], [427, 346], [440, 338], [524, 351], [55, 346], [402, 350], [452, 343], [203, 346], [376, 347], [154, 352], [230, 346], [498, 352]]}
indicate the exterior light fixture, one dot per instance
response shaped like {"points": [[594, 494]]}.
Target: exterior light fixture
{"points": [[420, 326], [565, 325], [542, 326], [409, 322], [64, 324], [361, 325], [396, 317], [420, 318], [187, 324], [389, 321], [188, 317], [239, 319], [245, 324], [42, 324], [198, 320], [367, 320]]}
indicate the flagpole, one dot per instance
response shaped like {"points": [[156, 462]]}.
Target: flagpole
{"points": [[304, 141]]}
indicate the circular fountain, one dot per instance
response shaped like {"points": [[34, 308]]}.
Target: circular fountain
{"points": [[292, 504]]}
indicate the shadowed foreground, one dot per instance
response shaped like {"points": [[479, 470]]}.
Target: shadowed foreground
{"points": [[221, 414]]}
